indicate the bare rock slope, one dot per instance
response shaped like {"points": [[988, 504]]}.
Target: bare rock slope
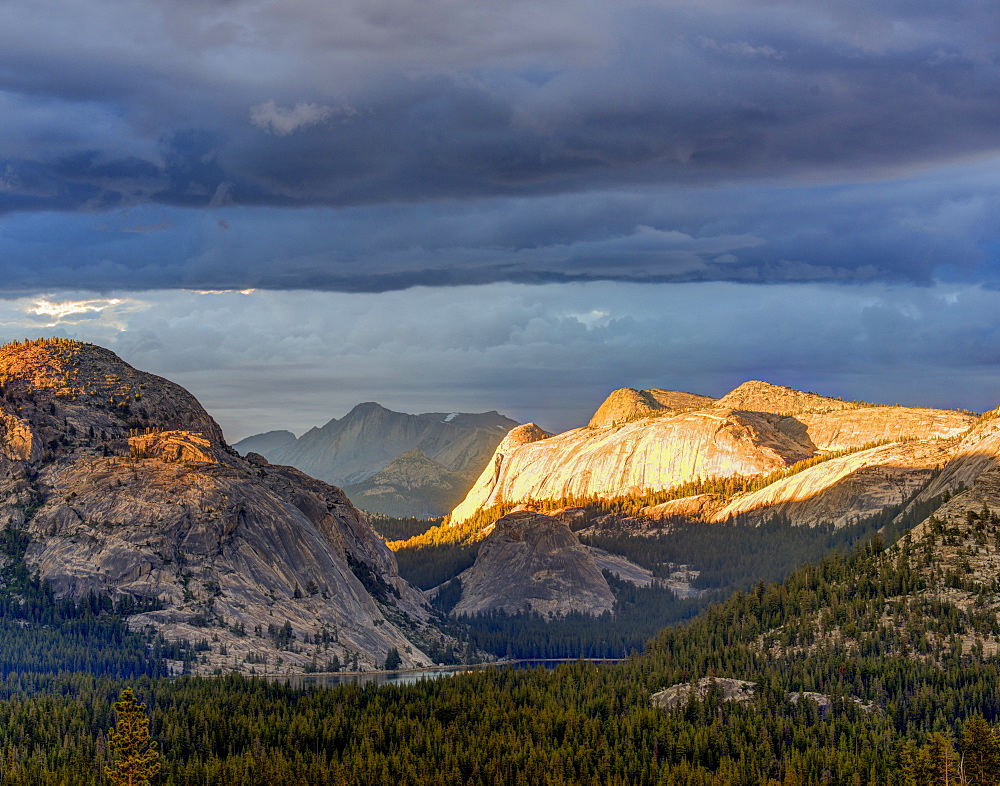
{"points": [[629, 404], [126, 486], [847, 489], [756, 430], [533, 561]]}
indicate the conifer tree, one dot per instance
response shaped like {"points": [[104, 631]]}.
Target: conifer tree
{"points": [[942, 760], [981, 753], [135, 758]]}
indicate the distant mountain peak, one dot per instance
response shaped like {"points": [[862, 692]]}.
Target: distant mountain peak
{"points": [[353, 450], [366, 407]]}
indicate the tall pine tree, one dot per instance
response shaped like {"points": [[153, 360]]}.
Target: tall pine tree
{"points": [[135, 758]]}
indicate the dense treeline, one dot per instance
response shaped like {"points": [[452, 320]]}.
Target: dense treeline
{"points": [[429, 566], [638, 614], [870, 630], [579, 724], [399, 528]]}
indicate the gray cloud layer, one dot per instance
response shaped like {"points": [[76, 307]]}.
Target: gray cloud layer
{"points": [[379, 145], [544, 353]]}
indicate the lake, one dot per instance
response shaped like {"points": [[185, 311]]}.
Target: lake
{"points": [[409, 676]]}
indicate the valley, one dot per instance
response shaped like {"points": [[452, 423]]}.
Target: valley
{"points": [[834, 561]]}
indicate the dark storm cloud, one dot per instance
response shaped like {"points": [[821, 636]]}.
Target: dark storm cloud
{"points": [[935, 226], [742, 123]]}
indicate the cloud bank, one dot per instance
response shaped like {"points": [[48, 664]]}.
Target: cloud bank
{"points": [[359, 146], [265, 359]]}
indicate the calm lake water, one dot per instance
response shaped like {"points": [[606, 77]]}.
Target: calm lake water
{"points": [[407, 677]]}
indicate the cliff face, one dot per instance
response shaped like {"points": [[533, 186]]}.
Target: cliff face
{"points": [[766, 434], [533, 561], [125, 486]]}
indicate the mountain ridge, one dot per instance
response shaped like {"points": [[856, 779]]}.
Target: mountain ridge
{"points": [[666, 449], [353, 450]]}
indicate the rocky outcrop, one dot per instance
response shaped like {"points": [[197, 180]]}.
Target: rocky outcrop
{"points": [[728, 689], [171, 446], [692, 507], [679, 695], [629, 404], [130, 490], [531, 561]]}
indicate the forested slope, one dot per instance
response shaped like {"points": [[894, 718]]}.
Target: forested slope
{"points": [[884, 634]]}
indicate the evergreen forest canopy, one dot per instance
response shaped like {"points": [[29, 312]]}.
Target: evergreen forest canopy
{"points": [[873, 632], [894, 649], [729, 557]]}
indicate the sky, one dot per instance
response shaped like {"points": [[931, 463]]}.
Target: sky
{"points": [[521, 205]]}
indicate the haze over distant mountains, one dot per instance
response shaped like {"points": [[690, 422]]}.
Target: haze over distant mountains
{"points": [[392, 462]]}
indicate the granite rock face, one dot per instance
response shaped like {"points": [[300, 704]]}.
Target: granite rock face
{"points": [[649, 454], [533, 561], [126, 486], [843, 490], [755, 430]]}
